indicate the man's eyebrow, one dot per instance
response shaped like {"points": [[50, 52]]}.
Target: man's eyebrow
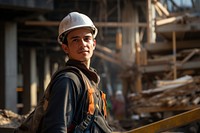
{"points": [[74, 37]]}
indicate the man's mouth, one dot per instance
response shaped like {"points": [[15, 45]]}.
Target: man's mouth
{"points": [[83, 51]]}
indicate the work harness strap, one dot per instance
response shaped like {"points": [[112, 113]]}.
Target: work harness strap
{"points": [[91, 91], [103, 95], [91, 107]]}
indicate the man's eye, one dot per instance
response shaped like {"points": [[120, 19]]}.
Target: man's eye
{"points": [[87, 39], [75, 40]]}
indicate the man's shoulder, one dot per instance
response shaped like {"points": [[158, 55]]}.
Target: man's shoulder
{"points": [[72, 73], [67, 70]]}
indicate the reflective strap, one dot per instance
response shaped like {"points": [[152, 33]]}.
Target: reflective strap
{"points": [[91, 107], [103, 95]]}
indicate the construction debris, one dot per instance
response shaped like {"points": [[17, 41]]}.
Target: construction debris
{"points": [[9, 119], [176, 95]]}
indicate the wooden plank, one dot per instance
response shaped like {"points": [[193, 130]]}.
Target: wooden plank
{"points": [[169, 123], [174, 54], [107, 50], [148, 17], [110, 59], [119, 24], [167, 67], [162, 8], [168, 20], [164, 109], [192, 53], [98, 24], [160, 47], [178, 27], [158, 11]]}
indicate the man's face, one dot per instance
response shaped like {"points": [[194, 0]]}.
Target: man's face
{"points": [[80, 44]]}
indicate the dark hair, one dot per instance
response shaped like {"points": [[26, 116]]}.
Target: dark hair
{"points": [[63, 38]]}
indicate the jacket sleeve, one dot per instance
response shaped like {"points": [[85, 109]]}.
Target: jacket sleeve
{"points": [[62, 103]]}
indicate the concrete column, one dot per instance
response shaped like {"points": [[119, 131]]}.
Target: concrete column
{"points": [[2, 65], [8, 66]]}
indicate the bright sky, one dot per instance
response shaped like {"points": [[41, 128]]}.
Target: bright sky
{"points": [[180, 3], [183, 2]]}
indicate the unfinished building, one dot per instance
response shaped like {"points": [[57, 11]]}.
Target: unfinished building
{"points": [[147, 50]]}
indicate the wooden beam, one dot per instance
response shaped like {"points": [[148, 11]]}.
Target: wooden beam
{"points": [[178, 27], [98, 24], [138, 82], [158, 11], [174, 54], [169, 123], [168, 20], [148, 17], [192, 53], [162, 8], [42, 23], [160, 47], [167, 67], [107, 50], [140, 110], [110, 59]]}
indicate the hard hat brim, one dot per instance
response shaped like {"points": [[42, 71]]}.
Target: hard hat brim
{"points": [[94, 30]]}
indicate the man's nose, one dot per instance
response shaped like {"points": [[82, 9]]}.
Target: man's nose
{"points": [[83, 42]]}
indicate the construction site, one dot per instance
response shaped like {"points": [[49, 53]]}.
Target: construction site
{"points": [[147, 56]]}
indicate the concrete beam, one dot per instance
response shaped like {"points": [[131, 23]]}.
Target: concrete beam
{"points": [[8, 66]]}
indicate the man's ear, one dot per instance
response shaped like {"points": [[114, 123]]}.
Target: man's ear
{"points": [[65, 48], [94, 44]]}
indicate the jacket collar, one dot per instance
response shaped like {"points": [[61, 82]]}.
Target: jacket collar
{"points": [[90, 73]]}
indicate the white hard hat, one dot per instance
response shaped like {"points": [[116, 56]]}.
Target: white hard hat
{"points": [[72, 21]]}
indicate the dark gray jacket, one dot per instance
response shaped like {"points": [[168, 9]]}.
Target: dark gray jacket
{"points": [[68, 101]]}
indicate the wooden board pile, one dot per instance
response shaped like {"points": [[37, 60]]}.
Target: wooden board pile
{"points": [[9, 119], [178, 95]]}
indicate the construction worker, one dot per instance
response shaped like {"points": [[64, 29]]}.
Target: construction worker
{"points": [[75, 103]]}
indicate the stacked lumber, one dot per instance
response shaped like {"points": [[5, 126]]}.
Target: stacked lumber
{"points": [[9, 119], [181, 94]]}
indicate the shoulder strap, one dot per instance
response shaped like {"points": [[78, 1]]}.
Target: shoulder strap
{"points": [[53, 79], [91, 107], [103, 96]]}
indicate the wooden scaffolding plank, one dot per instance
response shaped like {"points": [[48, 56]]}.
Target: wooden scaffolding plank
{"points": [[169, 123]]}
